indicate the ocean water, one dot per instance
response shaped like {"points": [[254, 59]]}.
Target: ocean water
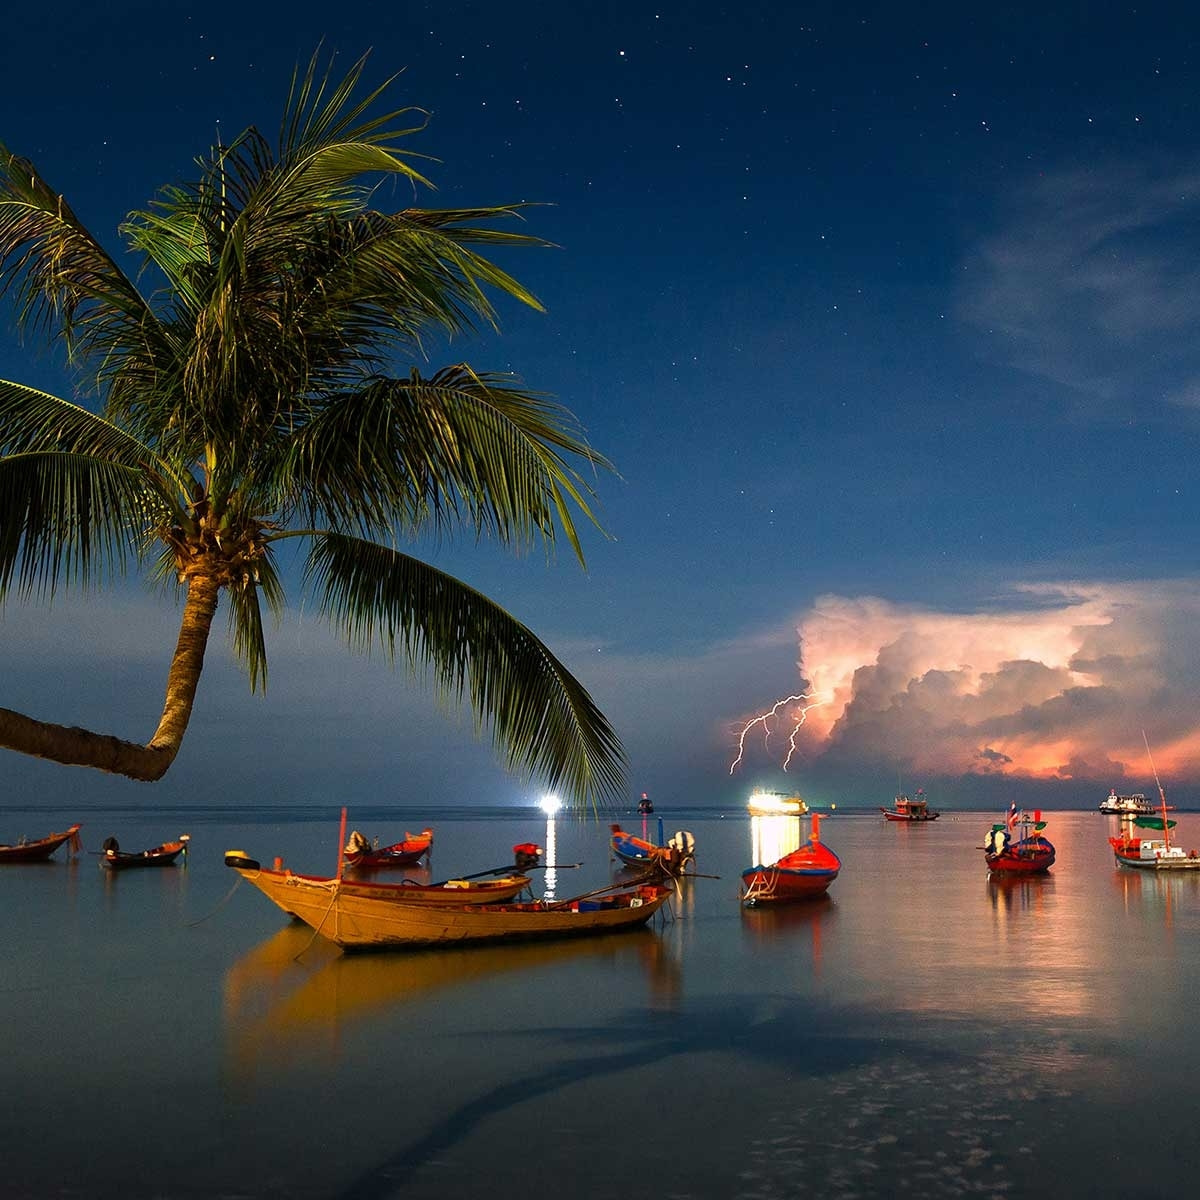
{"points": [[923, 1031]]}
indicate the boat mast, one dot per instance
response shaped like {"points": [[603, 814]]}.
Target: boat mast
{"points": [[1162, 796]]}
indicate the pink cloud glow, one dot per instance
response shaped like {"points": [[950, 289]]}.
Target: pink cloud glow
{"points": [[1057, 685]]}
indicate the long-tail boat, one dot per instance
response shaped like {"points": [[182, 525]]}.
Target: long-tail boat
{"points": [[1017, 847], [115, 859], [634, 851], [363, 855], [42, 848], [342, 912], [800, 875]]}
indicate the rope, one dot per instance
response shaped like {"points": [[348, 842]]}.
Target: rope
{"points": [[317, 928], [193, 924]]}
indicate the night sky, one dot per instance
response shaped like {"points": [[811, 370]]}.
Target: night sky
{"points": [[886, 316]]}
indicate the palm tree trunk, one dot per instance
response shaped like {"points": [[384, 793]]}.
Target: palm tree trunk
{"points": [[83, 748]]}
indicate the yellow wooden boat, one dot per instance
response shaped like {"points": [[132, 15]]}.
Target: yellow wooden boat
{"points": [[348, 914]]}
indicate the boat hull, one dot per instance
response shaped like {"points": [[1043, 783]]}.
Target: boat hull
{"points": [[1146, 855], [636, 852], [1031, 856], [356, 921], [400, 854], [161, 856], [892, 815], [802, 875], [41, 849]]}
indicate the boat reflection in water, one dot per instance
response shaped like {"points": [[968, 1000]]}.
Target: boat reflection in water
{"points": [[280, 1011], [1171, 892]]}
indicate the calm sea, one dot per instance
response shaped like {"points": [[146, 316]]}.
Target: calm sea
{"points": [[923, 1031]]}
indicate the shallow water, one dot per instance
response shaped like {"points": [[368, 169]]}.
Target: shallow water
{"points": [[922, 1031]]}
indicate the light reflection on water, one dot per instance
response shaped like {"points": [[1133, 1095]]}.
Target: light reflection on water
{"points": [[924, 1028]]}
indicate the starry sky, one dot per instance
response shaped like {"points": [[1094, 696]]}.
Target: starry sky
{"points": [[886, 316]]}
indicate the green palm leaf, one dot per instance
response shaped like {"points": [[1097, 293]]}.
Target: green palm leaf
{"points": [[541, 717]]}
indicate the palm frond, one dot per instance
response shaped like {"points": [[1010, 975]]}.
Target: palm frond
{"points": [[458, 446], [64, 283], [542, 719], [70, 518]]}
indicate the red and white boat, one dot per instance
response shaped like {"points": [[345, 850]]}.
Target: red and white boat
{"points": [[1017, 846], [363, 855], [1152, 853], [800, 875], [915, 808]]}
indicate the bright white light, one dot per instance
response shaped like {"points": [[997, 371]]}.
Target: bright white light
{"points": [[550, 804]]}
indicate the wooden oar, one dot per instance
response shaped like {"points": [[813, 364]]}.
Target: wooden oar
{"points": [[600, 891]]}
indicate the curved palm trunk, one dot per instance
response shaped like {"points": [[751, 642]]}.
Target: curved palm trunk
{"points": [[83, 748]]}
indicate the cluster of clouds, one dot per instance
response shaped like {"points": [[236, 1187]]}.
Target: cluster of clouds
{"points": [[1063, 683]]}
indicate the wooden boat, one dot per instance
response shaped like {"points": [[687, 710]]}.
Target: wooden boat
{"points": [[1017, 846], [800, 875], [1154, 854], [354, 921], [115, 859], [915, 808], [289, 890], [363, 855], [775, 804], [42, 848], [638, 852]]}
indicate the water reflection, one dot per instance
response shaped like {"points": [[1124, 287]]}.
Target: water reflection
{"points": [[278, 1010], [551, 848], [772, 837], [782, 928]]}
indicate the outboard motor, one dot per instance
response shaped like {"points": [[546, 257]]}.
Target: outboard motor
{"points": [[526, 855]]}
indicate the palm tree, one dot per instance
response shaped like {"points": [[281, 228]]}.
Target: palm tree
{"points": [[252, 398]]}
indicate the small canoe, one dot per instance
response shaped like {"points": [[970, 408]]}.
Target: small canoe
{"points": [[43, 848], [115, 859], [638, 852], [362, 855], [801, 875], [356, 921]]}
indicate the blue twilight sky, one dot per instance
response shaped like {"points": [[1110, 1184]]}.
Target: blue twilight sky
{"points": [[886, 315]]}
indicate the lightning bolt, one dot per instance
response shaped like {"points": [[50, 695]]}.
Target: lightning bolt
{"points": [[764, 720]]}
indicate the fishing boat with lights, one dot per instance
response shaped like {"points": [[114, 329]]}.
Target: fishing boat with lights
{"points": [[41, 848], [803, 874], [914, 808], [775, 804], [1133, 805], [1017, 846]]}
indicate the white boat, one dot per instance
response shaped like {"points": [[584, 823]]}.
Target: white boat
{"points": [[1133, 805], [776, 804]]}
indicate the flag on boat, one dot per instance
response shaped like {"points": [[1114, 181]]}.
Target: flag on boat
{"points": [[1012, 814]]}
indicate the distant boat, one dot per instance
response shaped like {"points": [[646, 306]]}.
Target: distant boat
{"points": [[645, 805], [911, 809], [776, 804], [1133, 805], [363, 855], [116, 859], [801, 875], [42, 848], [357, 921], [1017, 846], [638, 852]]}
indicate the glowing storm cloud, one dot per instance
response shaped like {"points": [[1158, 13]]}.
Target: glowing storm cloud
{"points": [[1057, 685]]}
